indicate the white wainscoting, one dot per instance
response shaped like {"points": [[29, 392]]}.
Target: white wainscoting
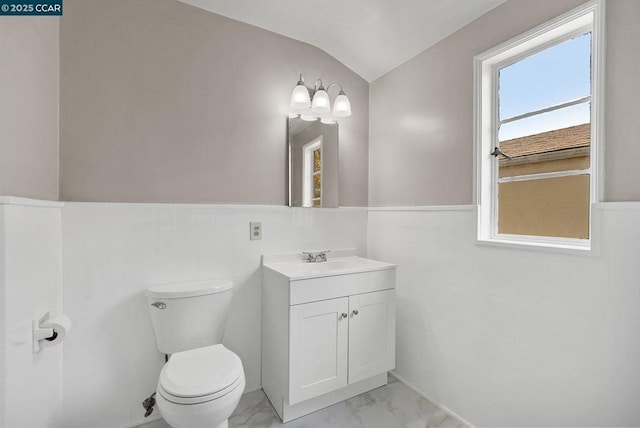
{"points": [[501, 336], [516, 337], [112, 252], [30, 283]]}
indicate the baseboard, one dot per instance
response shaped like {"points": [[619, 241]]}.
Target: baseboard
{"points": [[417, 391], [151, 419], [255, 388], [310, 405]]}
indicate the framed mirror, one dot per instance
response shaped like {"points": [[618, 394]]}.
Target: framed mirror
{"points": [[313, 163]]}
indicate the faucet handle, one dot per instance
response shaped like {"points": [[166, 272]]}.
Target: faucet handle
{"points": [[313, 257]]}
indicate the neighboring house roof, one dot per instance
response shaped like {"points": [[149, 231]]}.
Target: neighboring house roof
{"points": [[573, 137]]}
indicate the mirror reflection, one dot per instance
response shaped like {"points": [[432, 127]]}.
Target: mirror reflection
{"points": [[313, 163]]}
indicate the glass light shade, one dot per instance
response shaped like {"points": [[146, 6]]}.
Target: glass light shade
{"points": [[327, 121], [341, 106], [300, 97], [308, 117], [321, 103]]}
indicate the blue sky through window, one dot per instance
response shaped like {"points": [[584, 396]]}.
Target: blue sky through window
{"points": [[558, 74]]}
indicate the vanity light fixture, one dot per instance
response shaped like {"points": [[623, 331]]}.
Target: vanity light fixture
{"points": [[314, 103], [300, 99]]}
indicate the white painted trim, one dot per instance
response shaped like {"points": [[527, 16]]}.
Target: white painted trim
{"points": [[428, 208], [528, 243], [588, 17], [14, 200], [546, 109], [618, 206], [144, 423], [221, 206], [425, 396], [550, 156], [253, 389], [547, 28], [543, 175], [598, 123]]}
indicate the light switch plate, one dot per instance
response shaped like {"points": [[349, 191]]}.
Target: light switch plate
{"points": [[255, 230]]}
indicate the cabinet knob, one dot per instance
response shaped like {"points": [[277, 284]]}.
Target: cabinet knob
{"points": [[344, 315], [355, 312]]}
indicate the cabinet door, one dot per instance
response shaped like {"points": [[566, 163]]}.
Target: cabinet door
{"points": [[372, 334], [318, 348]]}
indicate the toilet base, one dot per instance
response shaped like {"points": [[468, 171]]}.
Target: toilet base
{"points": [[224, 424], [211, 414]]}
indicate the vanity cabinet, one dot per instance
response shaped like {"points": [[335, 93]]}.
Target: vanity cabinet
{"points": [[326, 336], [340, 341], [372, 334], [318, 348]]}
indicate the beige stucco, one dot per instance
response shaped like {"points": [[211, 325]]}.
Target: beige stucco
{"points": [[547, 207]]}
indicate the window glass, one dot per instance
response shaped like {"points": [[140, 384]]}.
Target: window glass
{"points": [[553, 76], [562, 118], [317, 185], [556, 142], [564, 149], [545, 207], [317, 160]]}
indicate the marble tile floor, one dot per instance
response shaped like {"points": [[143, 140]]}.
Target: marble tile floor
{"points": [[391, 406]]}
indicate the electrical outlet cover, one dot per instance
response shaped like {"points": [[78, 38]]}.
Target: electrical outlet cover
{"points": [[255, 230]]}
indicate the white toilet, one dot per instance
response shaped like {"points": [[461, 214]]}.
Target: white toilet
{"points": [[201, 384]]}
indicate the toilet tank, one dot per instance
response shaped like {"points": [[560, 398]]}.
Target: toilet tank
{"points": [[189, 315]]}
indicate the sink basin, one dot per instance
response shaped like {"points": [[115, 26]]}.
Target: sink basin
{"points": [[343, 264]]}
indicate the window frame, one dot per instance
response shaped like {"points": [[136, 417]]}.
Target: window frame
{"points": [[588, 17]]}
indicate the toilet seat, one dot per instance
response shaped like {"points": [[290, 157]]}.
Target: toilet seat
{"points": [[201, 399], [200, 375]]}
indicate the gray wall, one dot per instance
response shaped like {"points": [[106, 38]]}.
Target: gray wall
{"points": [[163, 102], [421, 114], [29, 76], [622, 108]]}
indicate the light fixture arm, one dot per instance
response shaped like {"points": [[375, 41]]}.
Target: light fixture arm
{"points": [[319, 86], [334, 83]]}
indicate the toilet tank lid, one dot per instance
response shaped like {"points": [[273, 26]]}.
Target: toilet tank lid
{"points": [[188, 289]]}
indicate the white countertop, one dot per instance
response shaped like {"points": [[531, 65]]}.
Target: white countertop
{"points": [[299, 269]]}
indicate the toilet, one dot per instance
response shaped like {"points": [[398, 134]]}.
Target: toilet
{"points": [[202, 382]]}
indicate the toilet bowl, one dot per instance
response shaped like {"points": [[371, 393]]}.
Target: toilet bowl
{"points": [[201, 384], [200, 388]]}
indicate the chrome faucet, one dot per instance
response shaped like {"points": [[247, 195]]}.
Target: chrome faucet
{"points": [[320, 256]]}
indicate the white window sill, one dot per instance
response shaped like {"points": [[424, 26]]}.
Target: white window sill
{"points": [[577, 246]]}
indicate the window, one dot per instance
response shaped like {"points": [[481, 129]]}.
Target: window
{"points": [[312, 173], [538, 135]]}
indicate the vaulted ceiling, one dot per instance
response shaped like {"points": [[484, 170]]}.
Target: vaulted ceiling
{"points": [[371, 37]]}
